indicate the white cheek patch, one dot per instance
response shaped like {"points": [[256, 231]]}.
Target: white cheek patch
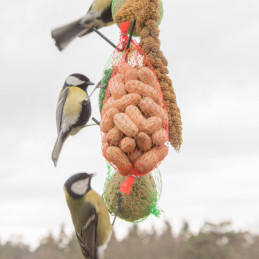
{"points": [[72, 80], [80, 186]]}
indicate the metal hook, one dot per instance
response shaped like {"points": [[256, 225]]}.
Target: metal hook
{"points": [[131, 33]]}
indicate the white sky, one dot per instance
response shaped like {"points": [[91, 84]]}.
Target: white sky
{"points": [[212, 49]]}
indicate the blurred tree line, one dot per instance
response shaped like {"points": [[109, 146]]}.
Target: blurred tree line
{"points": [[212, 242]]}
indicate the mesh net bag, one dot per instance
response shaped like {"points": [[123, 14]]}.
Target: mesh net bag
{"points": [[117, 4], [142, 200], [113, 62], [134, 119]]}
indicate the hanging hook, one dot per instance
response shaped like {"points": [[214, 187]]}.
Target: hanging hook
{"points": [[131, 34]]}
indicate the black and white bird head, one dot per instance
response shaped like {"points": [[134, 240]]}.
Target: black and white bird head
{"points": [[78, 185], [78, 80]]}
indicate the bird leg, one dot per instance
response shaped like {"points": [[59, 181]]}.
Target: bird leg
{"points": [[104, 37], [118, 208], [97, 86], [88, 125], [96, 121]]}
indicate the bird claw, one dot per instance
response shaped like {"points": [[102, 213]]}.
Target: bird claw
{"points": [[119, 201]]}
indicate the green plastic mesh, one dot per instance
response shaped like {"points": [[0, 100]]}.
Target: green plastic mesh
{"points": [[116, 5], [103, 86], [143, 197]]}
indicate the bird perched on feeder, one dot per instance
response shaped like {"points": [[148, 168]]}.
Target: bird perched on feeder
{"points": [[73, 110], [99, 15], [89, 215]]}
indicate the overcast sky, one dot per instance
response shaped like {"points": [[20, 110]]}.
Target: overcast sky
{"points": [[213, 54]]}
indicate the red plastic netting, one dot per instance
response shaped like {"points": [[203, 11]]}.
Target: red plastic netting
{"points": [[134, 119]]}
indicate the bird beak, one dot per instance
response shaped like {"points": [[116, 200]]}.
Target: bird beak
{"points": [[90, 83]]}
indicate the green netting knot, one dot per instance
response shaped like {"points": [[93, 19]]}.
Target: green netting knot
{"points": [[157, 212]]}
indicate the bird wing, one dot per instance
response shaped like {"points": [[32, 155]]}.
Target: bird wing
{"points": [[99, 15], [61, 101], [87, 236]]}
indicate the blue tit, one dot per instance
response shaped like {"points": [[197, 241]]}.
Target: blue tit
{"points": [[89, 215], [99, 15], [73, 110]]}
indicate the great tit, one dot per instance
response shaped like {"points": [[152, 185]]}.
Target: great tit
{"points": [[89, 215], [73, 110], [99, 15]]}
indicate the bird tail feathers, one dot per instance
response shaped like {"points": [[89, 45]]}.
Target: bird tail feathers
{"points": [[65, 34], [57, 148]]}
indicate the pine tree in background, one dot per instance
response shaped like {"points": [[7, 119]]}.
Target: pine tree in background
{"points": [[217, 241]]}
